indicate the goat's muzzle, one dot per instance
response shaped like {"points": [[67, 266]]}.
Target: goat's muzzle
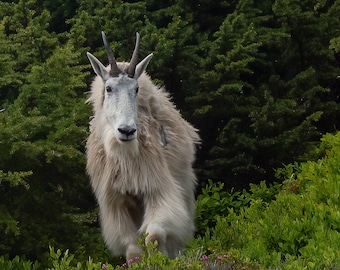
{"points": [[127, 133]]}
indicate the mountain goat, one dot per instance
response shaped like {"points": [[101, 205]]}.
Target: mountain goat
{"points": [[140, 153]]}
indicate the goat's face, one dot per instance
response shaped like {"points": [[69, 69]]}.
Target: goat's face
{"points": [[121, 88], [119, 106]]}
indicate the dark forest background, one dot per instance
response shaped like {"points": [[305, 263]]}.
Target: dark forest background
{"points": [[259, 79]]}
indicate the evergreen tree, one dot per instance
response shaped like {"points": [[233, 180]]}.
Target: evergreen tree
{"points": [[267, 96], [8, 224], [25, 40], [43, 129], [173, 37], [226, 97], [297, 103]]}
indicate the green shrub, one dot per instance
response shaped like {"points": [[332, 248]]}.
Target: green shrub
{"points": [[17, 263], [214, 202], [300, 228], [151, 259]]}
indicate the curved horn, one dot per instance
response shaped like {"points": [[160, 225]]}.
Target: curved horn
{"points": [[134, 58], [114, 72]]}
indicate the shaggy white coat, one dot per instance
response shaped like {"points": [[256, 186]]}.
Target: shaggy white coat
{"points": [[145, 185]]}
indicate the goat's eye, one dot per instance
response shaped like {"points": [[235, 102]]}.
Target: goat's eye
{"points": [[137, 89], [108, 89]]}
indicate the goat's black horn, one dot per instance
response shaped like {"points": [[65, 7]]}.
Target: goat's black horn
{"points": [[134, 58], [114, 72]]}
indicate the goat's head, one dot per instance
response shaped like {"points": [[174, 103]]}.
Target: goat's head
{"points": [[120, 90]]}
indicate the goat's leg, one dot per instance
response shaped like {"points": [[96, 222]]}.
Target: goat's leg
{"points": [[173, 247], [156, 233], [119, 231], [167, 217]]}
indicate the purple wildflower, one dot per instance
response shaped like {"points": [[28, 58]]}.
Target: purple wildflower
{"points": [[205, 258]]}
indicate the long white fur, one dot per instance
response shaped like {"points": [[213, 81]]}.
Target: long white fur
{"points": [[143, 186]]}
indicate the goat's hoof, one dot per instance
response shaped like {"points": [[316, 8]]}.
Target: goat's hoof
{"points": [[133, 254]]}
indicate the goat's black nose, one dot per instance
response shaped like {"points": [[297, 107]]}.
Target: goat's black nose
{"points": [[127, 130]]}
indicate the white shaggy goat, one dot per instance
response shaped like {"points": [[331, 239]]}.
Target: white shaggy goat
{"points": [[139, 158]]}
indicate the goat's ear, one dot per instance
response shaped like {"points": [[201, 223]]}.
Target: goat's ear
{"points": [[98, 67], [142, 66]]}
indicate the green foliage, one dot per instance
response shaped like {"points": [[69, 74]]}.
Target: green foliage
{"points": [[17, 263], [215, 202], [42, 131], [151, 259], [298, 228], [265, 95], [8, 223], [14, 178]]}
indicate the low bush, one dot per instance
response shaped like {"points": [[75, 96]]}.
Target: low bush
{"points": [[298, 229]]}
